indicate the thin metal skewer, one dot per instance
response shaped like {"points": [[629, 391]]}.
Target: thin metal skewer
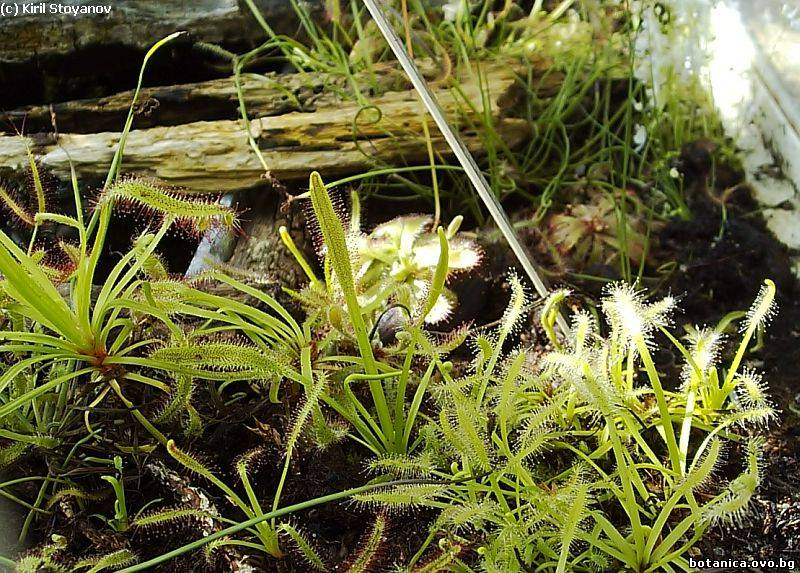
{"points": [[461, 152]]}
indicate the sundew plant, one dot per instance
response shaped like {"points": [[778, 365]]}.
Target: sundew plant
{"points": [[583, 458]]}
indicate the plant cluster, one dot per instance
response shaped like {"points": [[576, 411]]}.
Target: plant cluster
{"points": [[583, 455], [70, 345], [581, 459]]}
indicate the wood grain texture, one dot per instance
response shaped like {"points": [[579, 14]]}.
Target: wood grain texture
{"points": [[326, 134]]}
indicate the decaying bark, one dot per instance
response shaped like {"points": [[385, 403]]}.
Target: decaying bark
{"points": [[137, 25], [332, 136], [259, 248], [265, 95]]}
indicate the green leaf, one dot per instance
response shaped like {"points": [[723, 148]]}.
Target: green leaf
{"points": [[40, 300]]}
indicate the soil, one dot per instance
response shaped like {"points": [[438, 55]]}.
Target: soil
{"points": [[721, 268]]}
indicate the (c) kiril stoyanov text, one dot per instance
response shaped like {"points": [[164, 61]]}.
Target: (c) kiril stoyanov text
{"points": [[42, 8]]}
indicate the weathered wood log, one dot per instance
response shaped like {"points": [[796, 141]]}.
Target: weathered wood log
{"points": [[50, 53], [338, 137], [34, 29], [74, 49], [265, 94]]}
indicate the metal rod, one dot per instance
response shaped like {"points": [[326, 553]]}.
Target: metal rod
{"points": [[461, 152]]}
